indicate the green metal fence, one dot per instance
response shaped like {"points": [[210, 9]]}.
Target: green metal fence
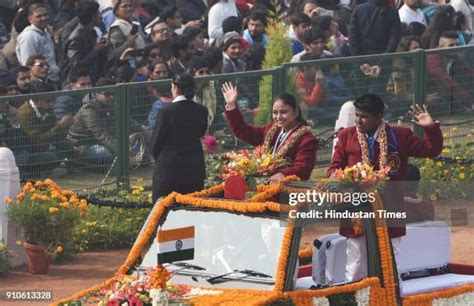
{"points": [[443, 79]]}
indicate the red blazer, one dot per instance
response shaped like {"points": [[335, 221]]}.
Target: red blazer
{"points": [[348, 153], [302, 155]]}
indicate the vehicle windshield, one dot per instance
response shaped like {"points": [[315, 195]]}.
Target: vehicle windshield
{"points": [[225, 242]]}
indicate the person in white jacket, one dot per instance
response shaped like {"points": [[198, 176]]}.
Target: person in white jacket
{"points": [[217, 14]]}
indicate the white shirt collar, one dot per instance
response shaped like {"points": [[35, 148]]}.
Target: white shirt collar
{"points": [[179, 98]]}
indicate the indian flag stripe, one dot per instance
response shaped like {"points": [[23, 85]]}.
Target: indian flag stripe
{"points": [[175, 234], [176, 256], [171, 246]]}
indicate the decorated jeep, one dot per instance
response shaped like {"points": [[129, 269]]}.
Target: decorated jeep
{"points": [[201, 249]]}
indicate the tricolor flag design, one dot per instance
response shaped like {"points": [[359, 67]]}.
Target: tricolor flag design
{"points": [[175, 244]]}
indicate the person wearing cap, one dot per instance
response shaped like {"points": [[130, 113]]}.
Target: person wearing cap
{"points": [[206, 91], [232, 53], [176, 141], [82, 48]]}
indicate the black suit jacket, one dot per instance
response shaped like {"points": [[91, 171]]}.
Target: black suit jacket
{"points": [[176, 144], [374, 30]]}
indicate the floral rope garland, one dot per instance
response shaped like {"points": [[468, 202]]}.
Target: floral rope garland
{"points": [[385, 253], [294, 137], [383, 146]]}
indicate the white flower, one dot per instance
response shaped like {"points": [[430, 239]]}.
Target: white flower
{"points": [[321, 301], [362, 296], [363, 173]]}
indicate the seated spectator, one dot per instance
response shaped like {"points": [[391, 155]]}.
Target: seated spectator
{"points": [[123, 32], [93, 130], [182, 48], [336, 38], [443, 20], [205, 93], [11, 135], [82, 47], [300, 24], [313, 9], [197, 36], [400, 82], [315, 43], [161, 36], [254, 57], [44, 135], [191, 9], [173, 18], [23, 81], [255, 33], [214, 58], [462, 28], [36, 40], [231, 24], [411, 12], [70, 104], [455, 90], [142, 71], [219, 12], [336, 90], [232, 54], [8, 82], [416, 29], [159, 71], [39, 70], [467, 9], [153, 52], [310, 82]]}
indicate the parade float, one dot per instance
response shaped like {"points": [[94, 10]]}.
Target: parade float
{"points": [[203, 249]]}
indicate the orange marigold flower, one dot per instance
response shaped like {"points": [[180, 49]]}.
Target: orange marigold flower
{"points": [[53, 210], [8, 200], [20, 197], [59, 249], [65, 205], [83, 202]]}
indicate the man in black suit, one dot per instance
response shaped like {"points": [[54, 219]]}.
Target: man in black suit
{"points": [[176, 141]]}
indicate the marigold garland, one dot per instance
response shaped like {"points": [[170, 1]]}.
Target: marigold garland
{"points": [[385, 253], [242, 296], [242, 207], [427, 298], [214, 190]]}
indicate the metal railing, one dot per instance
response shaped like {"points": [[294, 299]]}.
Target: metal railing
{"points": [[443, 79]]}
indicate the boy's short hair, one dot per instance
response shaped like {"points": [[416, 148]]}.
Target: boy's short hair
{"points": [[370, 103]]}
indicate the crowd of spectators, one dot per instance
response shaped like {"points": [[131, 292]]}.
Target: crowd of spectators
{"points": [[51, 45]]}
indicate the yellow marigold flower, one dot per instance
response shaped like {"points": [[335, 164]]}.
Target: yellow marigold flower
{"points": [[18, 242], [433, 197], [462, 176], [8, 200], [53, 210], [59, 249], [439, 164], [446, 151], [454, 129]]}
